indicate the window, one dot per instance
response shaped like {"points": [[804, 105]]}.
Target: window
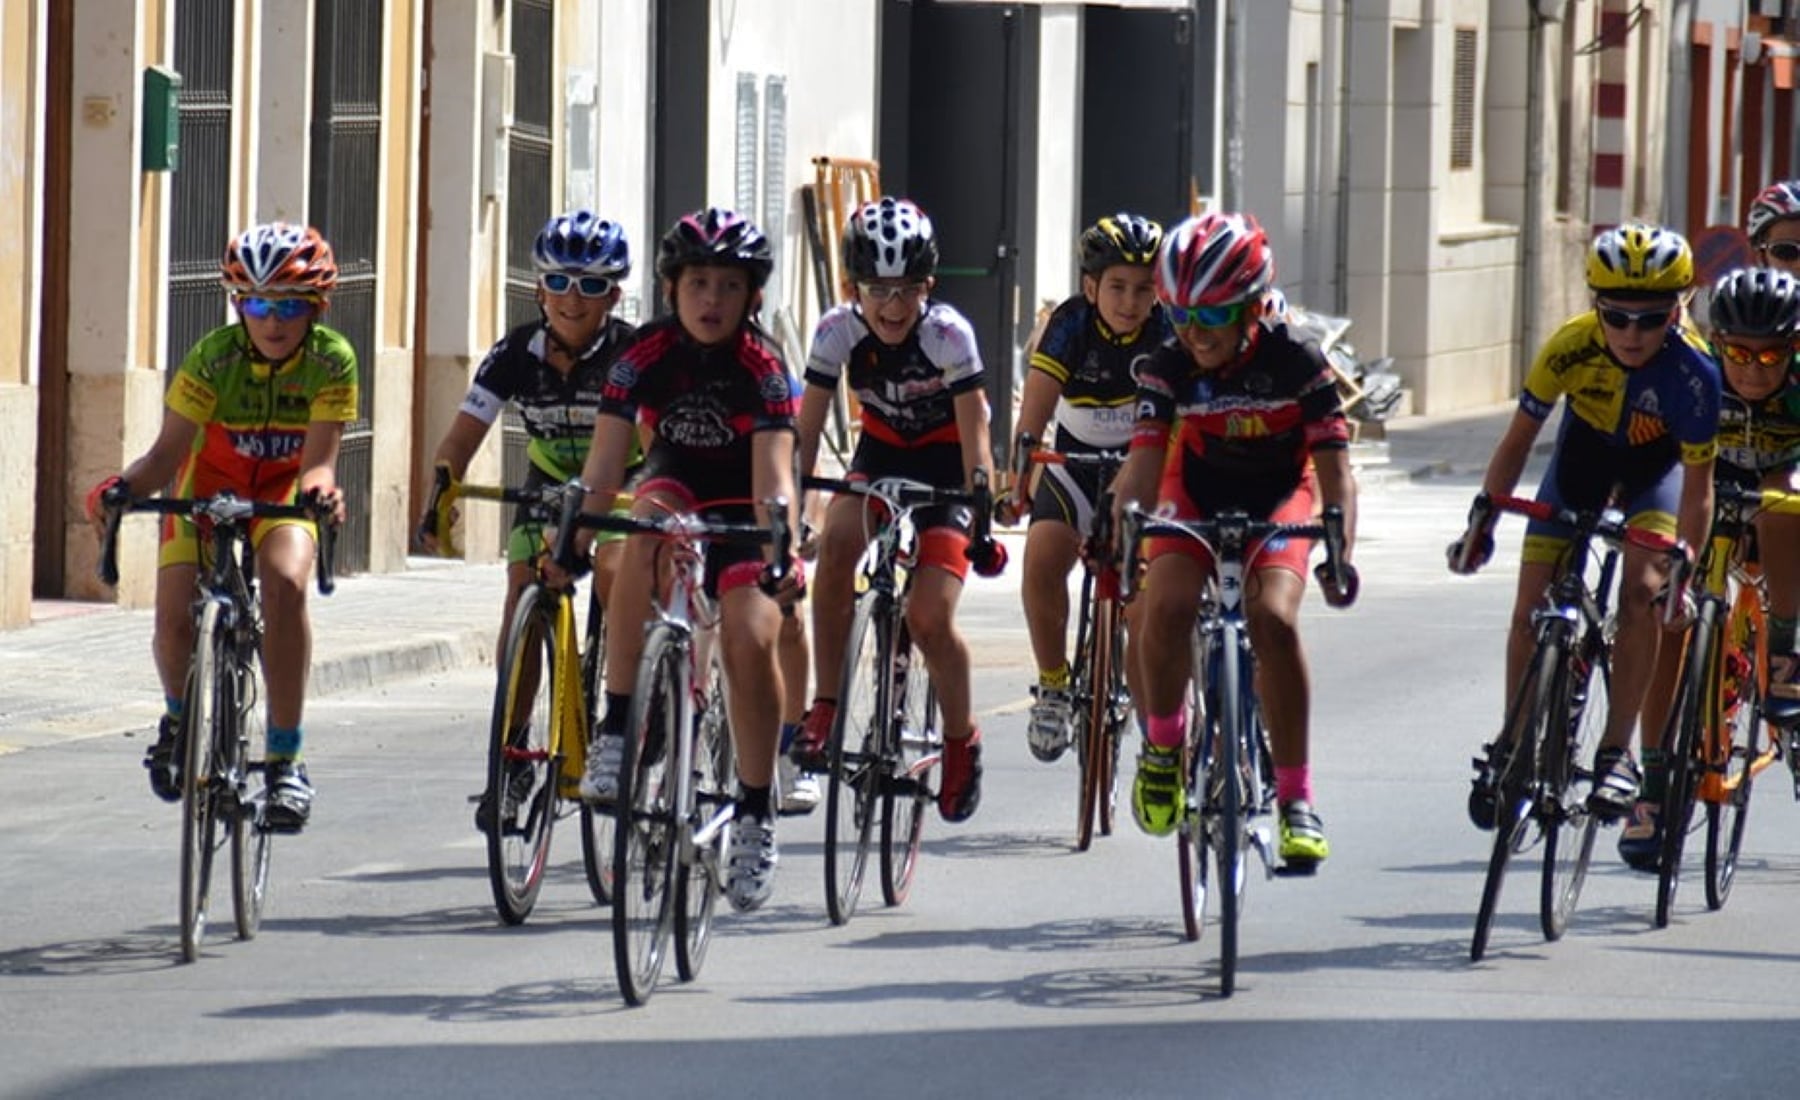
{"points": [[1462, 101]]}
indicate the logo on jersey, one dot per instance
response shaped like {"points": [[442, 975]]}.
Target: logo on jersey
{"points": [[776, 389], [1245, 426], [267, 445], [697, 425], [623, 375]]}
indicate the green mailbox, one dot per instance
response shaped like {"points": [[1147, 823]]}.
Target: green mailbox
{"points": [[162, 119]]}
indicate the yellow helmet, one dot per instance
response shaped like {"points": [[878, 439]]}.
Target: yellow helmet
{"points": [[1640, 257]]}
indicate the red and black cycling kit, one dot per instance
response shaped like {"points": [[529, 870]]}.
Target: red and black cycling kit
{"points": [[1247, 432], [702, 405]]}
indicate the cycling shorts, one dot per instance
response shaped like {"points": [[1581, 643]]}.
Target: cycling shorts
{"points": [[1282, 553], [944, 529], [1648, 507], [526, 540], [729, 565], [182, 544], [1066, 494]]}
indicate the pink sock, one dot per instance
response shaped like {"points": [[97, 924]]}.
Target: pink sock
{"points": [[1293, 784], [1166, 731]]}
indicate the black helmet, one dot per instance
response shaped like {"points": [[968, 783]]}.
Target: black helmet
{"points": [[890, 239], [1119, 239], [715, 237], [1756, 301]]}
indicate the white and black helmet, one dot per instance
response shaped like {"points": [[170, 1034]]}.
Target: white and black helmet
{"points": [[1756, 301], [890, 239]]}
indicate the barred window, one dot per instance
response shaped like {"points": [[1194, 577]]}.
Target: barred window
{"points": [[1462, 101]]}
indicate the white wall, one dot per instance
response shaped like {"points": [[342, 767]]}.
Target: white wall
{"points": [[1059, 146]]}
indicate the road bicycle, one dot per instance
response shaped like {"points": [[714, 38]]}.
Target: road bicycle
{"points": [[545, 699], [885, 742], [222, 717], [677, 791], [1227, 770], [1540, 762], [1098, 696], [1715, 745]]}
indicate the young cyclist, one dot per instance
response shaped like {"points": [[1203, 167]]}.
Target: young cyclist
{"points": [[1640, 432], [1773, 225], [552, 370], [913, 363], [1081, 371], [256, 408], [1261, 431], [711, 389]]}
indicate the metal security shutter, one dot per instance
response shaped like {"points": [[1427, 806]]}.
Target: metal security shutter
{"points": [[344, 199], [200, 186], [528, 193]]}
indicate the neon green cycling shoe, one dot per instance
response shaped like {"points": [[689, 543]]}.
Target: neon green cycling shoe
{"points": [[1303, 843], [1156, 796]]}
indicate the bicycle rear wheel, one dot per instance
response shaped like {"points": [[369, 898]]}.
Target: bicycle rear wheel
{"points": [[1516, 767], [252, 843], [1569, 827], [918, 745], [521, 775], [209, 716], [714, 781], [1191, 847], [644, 847], [857, 770], [1699, 674], [1738, 750], [596, 827]]}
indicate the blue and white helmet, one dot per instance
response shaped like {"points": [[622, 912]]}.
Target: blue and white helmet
{"points": [[581, 242]]}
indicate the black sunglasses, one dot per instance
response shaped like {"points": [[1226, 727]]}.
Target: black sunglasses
{"points": [[1648, 320]]}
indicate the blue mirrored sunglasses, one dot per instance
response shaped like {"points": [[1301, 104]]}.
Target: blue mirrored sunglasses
{"points": [[282, 309], [1204, 316], [588, 286]]}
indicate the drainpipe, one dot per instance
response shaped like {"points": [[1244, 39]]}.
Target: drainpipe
{"points": [[1531, 231], [420, 472], [1235, 36], [1341, 261]]}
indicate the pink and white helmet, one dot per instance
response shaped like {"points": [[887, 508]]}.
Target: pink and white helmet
{"points": [[1776, 202]]}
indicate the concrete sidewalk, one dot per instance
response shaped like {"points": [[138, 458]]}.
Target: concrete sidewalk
{"points": [[84, 670]]}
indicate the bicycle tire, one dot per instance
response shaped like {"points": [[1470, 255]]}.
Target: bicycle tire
{"points": [[1515, 769], [520, 739], [644, 846], [1093, 671], [855, 774], [1118, 712], [596, 827], [710, 789], [1738, 751], [1698, 673], [208, 705], [252, 841], [1226, 793], [1569, 827], [915, 741], [1191, 850]]}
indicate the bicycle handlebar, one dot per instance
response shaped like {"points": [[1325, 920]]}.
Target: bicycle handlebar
{"points": [[1234, 532], [901, 494], [223, 508]]}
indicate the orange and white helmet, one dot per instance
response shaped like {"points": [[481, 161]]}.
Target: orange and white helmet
{"points": [[278, 258]]}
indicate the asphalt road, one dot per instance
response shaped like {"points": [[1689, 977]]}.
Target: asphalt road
{"points": [[1018, 967]]}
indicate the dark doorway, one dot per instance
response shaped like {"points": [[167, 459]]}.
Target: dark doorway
{"points": [[959, 137], [1144, 137], [345, 203], [200, 187], [50, 521], [678, 130]]}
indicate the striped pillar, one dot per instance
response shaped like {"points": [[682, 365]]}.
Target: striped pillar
{"points": [[1606, 189]]}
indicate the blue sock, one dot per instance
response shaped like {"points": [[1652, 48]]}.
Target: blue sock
{"points": [[283, 744], [173, 705]]}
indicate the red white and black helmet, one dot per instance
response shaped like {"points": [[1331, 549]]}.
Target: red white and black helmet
{"points": [[1776, 202], [715, 237], [1214, 260], [278, 258]]}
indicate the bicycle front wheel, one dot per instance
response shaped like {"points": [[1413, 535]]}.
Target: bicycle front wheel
{"points": [[712, 790], [1517, 770], [1094, 696], [252, 842], [596, 826], [210, 718], [857, 770], [521, 776], [1699, 674], [1737, 749], [1191, 847], [1580, 701], [1225, 796], [919, 746], [644, 842]]}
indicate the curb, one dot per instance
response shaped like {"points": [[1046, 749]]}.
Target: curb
{"points": [[419, 656]]}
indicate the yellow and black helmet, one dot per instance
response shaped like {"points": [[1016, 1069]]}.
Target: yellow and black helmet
{"points": [[1119, 239], [1640, 258]]}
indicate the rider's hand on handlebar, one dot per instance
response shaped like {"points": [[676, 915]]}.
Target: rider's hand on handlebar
{"points": [[987, 556], [1472, 550]]}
